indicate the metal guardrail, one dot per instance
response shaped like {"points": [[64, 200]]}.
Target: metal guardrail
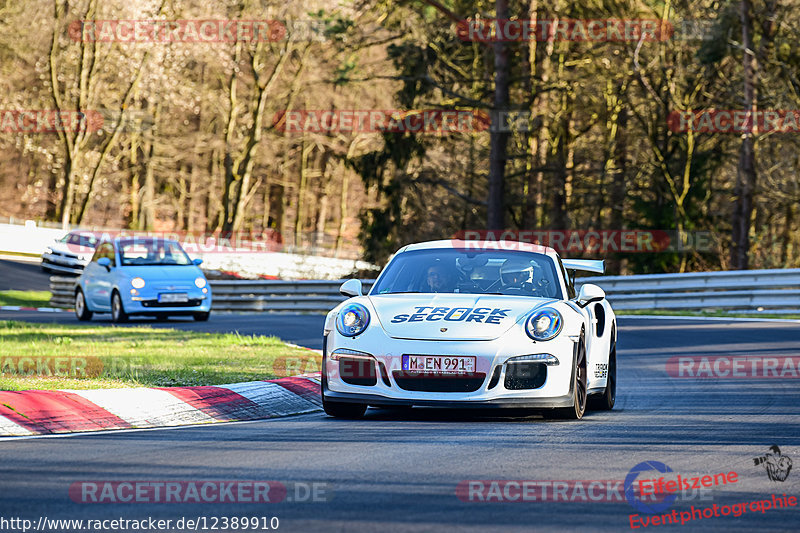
{"points": [[306, 296], [773, 291], [776, 291], [62, 291], [266, 295]]}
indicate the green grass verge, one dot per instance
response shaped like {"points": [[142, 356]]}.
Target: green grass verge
{"points": [[20, 254], [25, 298], [663, 312], [45, 356]]}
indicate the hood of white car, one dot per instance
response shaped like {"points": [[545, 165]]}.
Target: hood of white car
{"points": [[451, 316], [85, 253]]}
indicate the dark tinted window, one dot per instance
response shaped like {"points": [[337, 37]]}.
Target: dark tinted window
{"points": [[467, 271]]}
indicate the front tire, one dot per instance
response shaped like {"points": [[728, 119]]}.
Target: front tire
{"points": [[202, 316], [81, 311], [606, 401], [118, 314], [350, 411], [578, 408]]}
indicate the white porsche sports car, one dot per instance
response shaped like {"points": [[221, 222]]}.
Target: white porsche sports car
{"points": [[472, 324]]}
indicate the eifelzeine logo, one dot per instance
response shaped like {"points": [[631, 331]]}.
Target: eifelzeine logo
{"points": [[775, 463]]}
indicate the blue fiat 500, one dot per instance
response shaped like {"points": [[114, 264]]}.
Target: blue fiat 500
{"points": [[142, 276]]}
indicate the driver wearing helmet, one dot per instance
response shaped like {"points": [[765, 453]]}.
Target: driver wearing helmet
{"points": [[516, 275]]}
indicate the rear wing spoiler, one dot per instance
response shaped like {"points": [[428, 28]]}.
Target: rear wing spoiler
{"points": [[588, 265]]}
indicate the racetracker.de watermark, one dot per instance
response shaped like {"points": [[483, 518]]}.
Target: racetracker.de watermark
{"points": [[193, 243], [576, 30], [49, 121], [594, 241], [735, 121], [442, 121], [53, 366], [582, 490], [734, 367], [210, 492], [177, 31], [197, 31]]}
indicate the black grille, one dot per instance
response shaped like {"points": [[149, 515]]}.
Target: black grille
{"points": [[155, 303], [525, 375], [415, 382], [495, 377], [358, 371]]}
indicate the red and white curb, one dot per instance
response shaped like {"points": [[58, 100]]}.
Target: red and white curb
{"points": [[37, 412], [39, 309]]}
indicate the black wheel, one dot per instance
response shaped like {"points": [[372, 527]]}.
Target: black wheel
{"points": [[46, 270], [343, 410], [81, 311], [118, 314], [578, 408], [202, 316], [339, 409], [606, 400], [395, 408]]}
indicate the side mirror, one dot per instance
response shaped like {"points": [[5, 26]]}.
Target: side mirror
{"points": [[590, 293], [351, 288], [197, 262], [105, 262]]}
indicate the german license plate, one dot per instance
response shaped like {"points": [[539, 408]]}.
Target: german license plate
{"points": [[173, 297], [439, 364]]}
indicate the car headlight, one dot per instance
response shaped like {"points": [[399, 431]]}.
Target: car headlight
{"points": [[544, 358], [352, 320], [544, 325], [200, 282], [48, 250], [137, 283]]}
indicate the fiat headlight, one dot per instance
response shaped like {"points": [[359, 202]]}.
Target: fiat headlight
{"points": [[137, 283], [200, 282], [544, 325], [352, 320]]}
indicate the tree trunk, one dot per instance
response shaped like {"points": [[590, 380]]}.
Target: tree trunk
{"points": [[342, 211], [497, 137], [559, 163], [786, 236], [305, 151], [746, 172]]}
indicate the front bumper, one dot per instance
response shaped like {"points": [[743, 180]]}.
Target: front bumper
{"points": [[146, 303], [64, 264], [490, 391]]}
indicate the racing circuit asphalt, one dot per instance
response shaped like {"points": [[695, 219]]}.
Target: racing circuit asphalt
{"points": [[398, 472]]}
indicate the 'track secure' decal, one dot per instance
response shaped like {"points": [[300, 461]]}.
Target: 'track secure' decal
{"points": [[484, 315]]}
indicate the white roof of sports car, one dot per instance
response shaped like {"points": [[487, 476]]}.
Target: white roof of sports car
{"points": [[588, 265], [480, 245]]}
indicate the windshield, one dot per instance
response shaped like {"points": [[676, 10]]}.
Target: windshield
{"points": [[470, 272], [79, 239], [152, 252]]}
